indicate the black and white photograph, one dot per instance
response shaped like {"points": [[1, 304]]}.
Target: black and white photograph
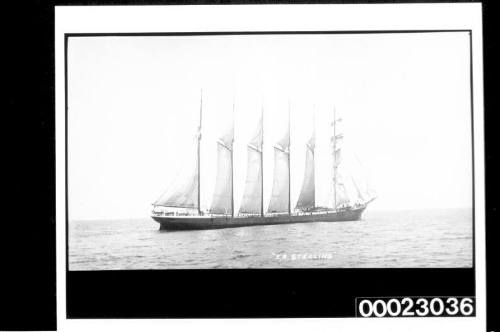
{"points": [[270, 161], [269, 151], [246, 166]]}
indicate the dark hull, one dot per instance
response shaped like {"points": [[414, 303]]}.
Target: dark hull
{"points": [[191, 223]]}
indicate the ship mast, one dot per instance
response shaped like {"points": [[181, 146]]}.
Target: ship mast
{"points": [[289, 177], [313, 155], [262, 162], [334, 160], [199, 145], [232, 169]]}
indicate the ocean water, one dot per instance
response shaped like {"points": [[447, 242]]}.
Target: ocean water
{"points": [[383, 239]]}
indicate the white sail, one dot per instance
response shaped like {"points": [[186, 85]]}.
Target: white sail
{"points": [[342, 183], [222, 199], [252, 196], [222, 196], [251, 202], [258, 137], [361, 197], [362, 180], [280, 194], [351, 187], [323, 167], [342, 199], [346, 192], [183, 191], [307, 193]]}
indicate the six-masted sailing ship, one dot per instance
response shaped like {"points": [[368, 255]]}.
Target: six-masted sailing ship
{"points": [[180, 209]]}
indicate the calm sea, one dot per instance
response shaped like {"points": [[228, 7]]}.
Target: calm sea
{"points": [[424, 238]]}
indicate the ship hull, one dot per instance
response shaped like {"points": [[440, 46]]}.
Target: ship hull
{"points": [[172, 223]]}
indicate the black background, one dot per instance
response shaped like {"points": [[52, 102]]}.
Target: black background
{"points": [[251, 293], [28, 258]]}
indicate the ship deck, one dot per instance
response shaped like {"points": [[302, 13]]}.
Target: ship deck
{"points": [[184, 222]]}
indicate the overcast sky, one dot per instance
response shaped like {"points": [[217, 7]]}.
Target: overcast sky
{"points": [[134, 103]]}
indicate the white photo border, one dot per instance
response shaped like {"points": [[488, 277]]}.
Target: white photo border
{"points": [[255, 18]]}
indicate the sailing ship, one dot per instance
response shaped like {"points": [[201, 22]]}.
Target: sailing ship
{"points": [[179, 208]]}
